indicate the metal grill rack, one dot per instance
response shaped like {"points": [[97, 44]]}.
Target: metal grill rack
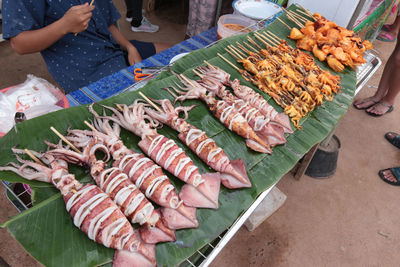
{"points": [[204, 256]]}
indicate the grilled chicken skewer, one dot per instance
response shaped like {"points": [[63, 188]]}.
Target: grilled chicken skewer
{"points": [[200, 190], [233, 173], [92, 211]]}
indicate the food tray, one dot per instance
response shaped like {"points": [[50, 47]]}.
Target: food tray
{"points": [[366, 70]]}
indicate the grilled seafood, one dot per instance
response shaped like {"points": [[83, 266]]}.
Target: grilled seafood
{"points": [[201, 190], [92, 211], [233, 173]]}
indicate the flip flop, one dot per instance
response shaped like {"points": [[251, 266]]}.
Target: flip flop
{"points": [[364, 101], [396, 173], [393, 140], [390, 109], [386, 28], [386, 37]]}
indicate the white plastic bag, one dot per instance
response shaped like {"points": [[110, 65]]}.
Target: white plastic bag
{"points": [[34, 97]]}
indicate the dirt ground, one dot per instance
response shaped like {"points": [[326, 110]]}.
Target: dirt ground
{"points": [[349, 219]]}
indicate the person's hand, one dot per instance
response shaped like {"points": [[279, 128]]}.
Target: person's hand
{"points": [[133, 55], [77, 18]]}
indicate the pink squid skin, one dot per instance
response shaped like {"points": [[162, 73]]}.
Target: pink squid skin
{"points": [[88, 207], [227, 114], [199, 143], [249, 95]]}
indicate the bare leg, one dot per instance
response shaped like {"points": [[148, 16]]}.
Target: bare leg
{"points": [[392, 79]]}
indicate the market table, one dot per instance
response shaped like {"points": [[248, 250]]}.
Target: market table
{"points": [[236, 205]]}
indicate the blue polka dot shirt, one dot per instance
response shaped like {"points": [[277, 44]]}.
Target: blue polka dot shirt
{"points": [[73, 61]]}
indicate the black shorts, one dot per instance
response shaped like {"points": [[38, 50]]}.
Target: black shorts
{"points": [[145, 49]]}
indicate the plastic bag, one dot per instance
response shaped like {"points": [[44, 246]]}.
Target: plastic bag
{"points": [[34, 97]]}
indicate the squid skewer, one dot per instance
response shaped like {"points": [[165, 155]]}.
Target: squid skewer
{"points": [[92, 211], [148, 177], [233, 173], [200, 190]]}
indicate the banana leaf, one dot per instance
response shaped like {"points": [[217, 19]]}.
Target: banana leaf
{"points": [[46, 231]]}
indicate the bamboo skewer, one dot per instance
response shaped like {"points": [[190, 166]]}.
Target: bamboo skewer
{"points": [[91, 3], [198, 73], [29, 153], [297, 16], [292, 18], [119, 107], [231, 53], [151, 102], [208, 64], [186, 79], [268, 35], [260, 39], [269, 39], [62, 137], [230, 63], [254, 43], [273, 34], [243, 48], [240, 53], [251, 47], [284, 23], [90, 126], [306, 11]]}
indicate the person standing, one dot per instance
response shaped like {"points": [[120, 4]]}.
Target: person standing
{"points": [[134, 15]]}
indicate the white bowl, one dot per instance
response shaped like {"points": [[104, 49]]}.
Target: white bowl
{"points": [[175, 58], [256, 9]]}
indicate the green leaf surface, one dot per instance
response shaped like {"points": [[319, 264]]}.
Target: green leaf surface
{"points": [[46, 231]]}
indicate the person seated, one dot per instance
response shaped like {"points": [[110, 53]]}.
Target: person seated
{"points": [[80, 44], [391, 175]]}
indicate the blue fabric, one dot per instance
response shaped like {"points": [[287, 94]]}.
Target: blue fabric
{"points": [[73, 61], [119, 82]]}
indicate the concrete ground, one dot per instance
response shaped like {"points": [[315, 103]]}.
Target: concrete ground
{"points": [[350, 219]]}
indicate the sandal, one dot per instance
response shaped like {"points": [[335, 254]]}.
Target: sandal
{"points": [[393, 140], [396, 173], [390, 109], [386, 37], [386, 28], [369, 99]]}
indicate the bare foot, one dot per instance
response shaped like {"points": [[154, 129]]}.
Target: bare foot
{"points": [[379, 109], [365, 103], [389, 176]]}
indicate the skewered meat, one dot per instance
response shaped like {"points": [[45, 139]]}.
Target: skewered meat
{"points": [[233, 173], [200, 190], [91, 210]]}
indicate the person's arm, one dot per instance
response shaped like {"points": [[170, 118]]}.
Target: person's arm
{"points": [[75, 20], [133, 54]]}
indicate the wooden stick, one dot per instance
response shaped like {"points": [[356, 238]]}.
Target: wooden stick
{"points": [[284, 23], [273, 34], [292, 18], [119, 107], [209, 65], [261, 37], [253, 42], [271, 37], [249, 45], [232, 54], [91, 3], [243, 48], [186, 79], [297, 16], [151, 102], [238, 52], [198, 73], [230, 63], [64, 139], [306, 11], [306, 14], [90, 126], [33, 157]]}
